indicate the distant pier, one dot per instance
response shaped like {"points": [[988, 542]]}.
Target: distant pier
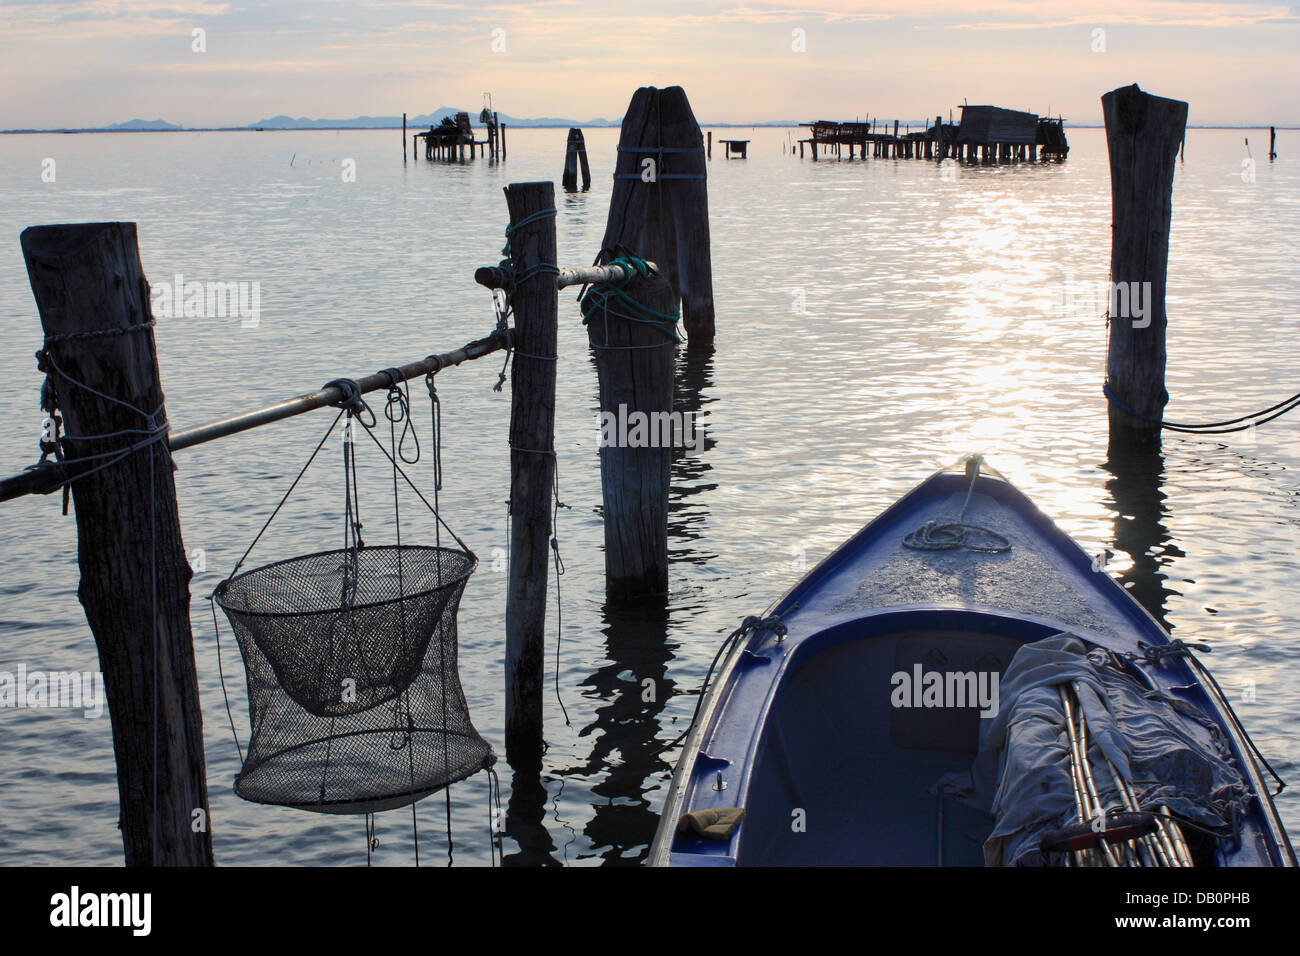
{"points": [[453, 137], [985, 134]]}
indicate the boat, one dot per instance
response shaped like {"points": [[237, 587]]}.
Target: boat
{"points": [[831, 730]]}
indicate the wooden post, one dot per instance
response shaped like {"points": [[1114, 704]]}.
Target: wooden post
{"points": [[403, 137], [1143, 133], [575, 154], [1272, 143], [661, 211], [532, 466], [502, 129], [94, 304], [710, 153], [634, 364]]}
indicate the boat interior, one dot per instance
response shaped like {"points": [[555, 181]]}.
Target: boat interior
{"points": [[865, 773]]}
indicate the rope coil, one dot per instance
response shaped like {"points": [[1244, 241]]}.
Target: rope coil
{"points": [[609, 298]]}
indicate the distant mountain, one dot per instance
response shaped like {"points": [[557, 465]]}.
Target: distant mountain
{"points": [[138, 124], [416, 122], [424, 120]]}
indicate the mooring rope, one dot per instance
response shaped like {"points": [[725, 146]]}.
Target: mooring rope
{"points": [[950, 536], [774, 624], [601, 295], [155, 432], [1240, 424]]}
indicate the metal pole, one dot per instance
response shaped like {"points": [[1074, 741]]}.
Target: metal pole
{"points": [[494, 277], [50, 477]]}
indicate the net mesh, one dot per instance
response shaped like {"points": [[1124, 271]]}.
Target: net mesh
{"points": [[354, 693]]}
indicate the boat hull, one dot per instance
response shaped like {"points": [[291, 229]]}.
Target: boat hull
{"points": [[804, 729]]}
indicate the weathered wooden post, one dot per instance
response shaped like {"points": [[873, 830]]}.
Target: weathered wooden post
{"points": [[710, 154], [575, 153], [535, 301], [659, 208], [501, 130], [403, 138], [635, 366], [1272, 143], [94, 305], [1143, 133]]}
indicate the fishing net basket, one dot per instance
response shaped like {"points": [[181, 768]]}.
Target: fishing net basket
{"points": [[354, 697]]}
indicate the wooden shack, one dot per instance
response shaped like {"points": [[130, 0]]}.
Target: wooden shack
{"points": [[982, 125], [997, 134]]}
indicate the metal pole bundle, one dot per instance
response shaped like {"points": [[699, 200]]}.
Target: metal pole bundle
{"points": [[1165, 845]]}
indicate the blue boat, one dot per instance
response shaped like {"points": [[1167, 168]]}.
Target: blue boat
{"points": [[960, 684]]}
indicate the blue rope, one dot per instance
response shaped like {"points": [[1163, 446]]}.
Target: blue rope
{"points": [[1213, 428]]}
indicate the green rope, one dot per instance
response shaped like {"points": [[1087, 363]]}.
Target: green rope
{"points": [[601, 294], [540, 268]]}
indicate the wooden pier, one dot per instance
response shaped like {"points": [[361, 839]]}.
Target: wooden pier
{"points": [[738, 146], [451, 138], [985, 134]]}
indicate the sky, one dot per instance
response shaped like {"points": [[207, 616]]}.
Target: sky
{"points": [[84, 63]]}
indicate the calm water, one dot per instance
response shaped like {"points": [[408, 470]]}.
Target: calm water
{"points": [[936, 321]]}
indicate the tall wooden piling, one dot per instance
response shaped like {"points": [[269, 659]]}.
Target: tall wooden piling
{"points": [[575, 154], [94, 305], [660, 210], [634, 365], [532, 462], [1272, 143], [501, 131], [403, 137], [1143, 135], [710, 148]]}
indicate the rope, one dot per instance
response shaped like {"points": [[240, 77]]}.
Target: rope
{"points": [[155, 433], [504, 310], [1214, 428], [774, 624], [216, 628], [661, 149], [352, 399], [1159, 654], [933, 536], [494, 814], [602, 294], [539, 268], [397, 408], [637, 176], [69, 336]]}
